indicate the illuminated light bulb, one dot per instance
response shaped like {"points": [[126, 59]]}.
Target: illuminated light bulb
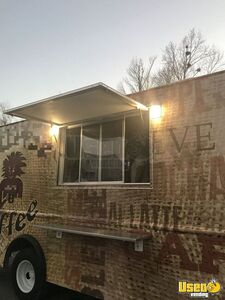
{"points": [[155, 111], [54, 131]]}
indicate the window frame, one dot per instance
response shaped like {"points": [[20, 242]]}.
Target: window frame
{"points": [[99, 121]]}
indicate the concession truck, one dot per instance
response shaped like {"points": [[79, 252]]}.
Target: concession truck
{"points": [[120, 197]]}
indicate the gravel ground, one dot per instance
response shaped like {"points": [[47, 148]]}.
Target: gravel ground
{"points": [[53, 292]]}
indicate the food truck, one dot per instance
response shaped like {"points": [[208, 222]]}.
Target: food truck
{"points": [[117, 196]]}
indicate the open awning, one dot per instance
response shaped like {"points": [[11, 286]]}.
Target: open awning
{"points": [[94, 101]]}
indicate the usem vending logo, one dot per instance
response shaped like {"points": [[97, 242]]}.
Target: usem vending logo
{"points": [[199, 289]]}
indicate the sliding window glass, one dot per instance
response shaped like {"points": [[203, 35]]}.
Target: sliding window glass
{"points": [[72, 155], [112, 151], [137, 148], [90, 153]]}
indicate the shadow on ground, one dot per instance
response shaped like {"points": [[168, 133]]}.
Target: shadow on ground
{"points": [[53, 292]]}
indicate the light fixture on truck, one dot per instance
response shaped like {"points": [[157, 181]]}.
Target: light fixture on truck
{"points": [[54, 130], [155, 111]]}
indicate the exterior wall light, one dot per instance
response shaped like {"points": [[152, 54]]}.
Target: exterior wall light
{"points": [[155, 111], [54, 131]]}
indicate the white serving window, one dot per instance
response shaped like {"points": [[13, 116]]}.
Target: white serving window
{"points": [[115, 151]]}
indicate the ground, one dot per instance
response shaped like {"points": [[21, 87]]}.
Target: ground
{"points": [[53, 293]]}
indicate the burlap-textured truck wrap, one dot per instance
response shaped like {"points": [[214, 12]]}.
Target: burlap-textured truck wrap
{"points": [[184, 211]]}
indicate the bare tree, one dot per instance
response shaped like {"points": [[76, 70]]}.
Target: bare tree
{"points": [[121, 87], [4, 119], [138, 76], [188, 58]]}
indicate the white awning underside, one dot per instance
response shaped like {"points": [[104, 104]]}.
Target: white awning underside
{"points": [[80, 105]]}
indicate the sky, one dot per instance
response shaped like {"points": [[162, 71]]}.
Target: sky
{"points": [[49, 47]]}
